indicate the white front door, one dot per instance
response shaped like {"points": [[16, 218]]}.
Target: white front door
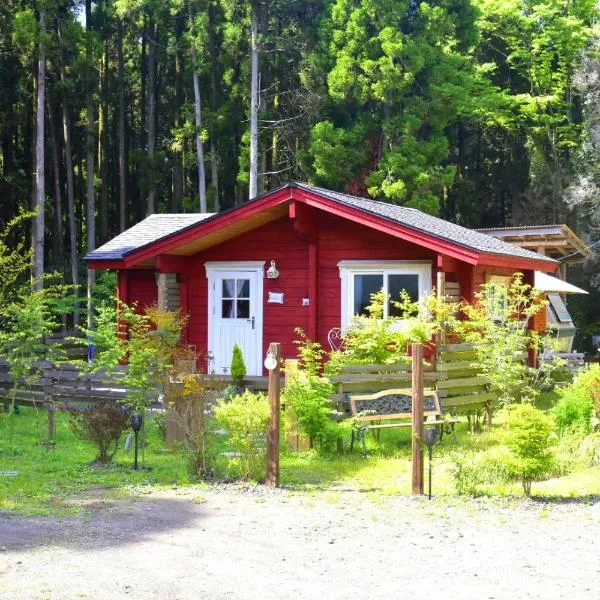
{"points": [[235, 303]]}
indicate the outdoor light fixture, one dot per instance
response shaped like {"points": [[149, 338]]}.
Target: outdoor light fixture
{"points": [[431, 435], [270, 361], [136, 425], [272, 272]]}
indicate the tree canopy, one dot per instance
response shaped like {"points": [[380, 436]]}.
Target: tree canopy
{"points": [[481, 111]]}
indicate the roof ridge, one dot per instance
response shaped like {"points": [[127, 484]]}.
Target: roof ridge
{"points": [[316, 187]]}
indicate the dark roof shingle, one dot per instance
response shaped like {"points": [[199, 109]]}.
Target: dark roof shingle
{"points": [[160, 226], [415, 219], [148, 231]]}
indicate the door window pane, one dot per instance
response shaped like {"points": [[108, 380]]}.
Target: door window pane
{"points": [[364, 286], [397, 284], [243, 309], [227, 309], [243, 288], [228, 288], [235, 299]]}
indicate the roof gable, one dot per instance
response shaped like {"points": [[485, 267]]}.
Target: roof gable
{"points": [[165, 232]]}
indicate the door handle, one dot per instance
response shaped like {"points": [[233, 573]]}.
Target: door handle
{"points": [[251, 321]]}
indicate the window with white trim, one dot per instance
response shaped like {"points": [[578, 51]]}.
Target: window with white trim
{"points": [[361, 279]]}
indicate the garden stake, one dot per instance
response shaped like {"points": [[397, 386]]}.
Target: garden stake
{"points": [[430, 439]]}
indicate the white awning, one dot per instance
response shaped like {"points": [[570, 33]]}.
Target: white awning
{"points": [[547, 283]]}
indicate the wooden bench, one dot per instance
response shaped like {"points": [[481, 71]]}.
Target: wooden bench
{"points": [[393, 408]]}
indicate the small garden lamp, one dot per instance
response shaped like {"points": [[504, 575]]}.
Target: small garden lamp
{"points": [[431, 435], [270, 361], [136, 425]]}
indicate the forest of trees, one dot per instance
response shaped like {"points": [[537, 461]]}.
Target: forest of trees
{"points": [[486, 112]]}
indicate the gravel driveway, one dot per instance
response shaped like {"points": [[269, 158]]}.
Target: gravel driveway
{"points": [[253, 543]]}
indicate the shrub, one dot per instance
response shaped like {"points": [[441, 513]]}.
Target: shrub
{"points": [[498, 323], [245, 418], [470, 471], [188, 397], [589, 450], [373, 339], [308, 394], [528, 439], [102, 424], [467, 474], [238, 366], [574, 409], [588, 380]]}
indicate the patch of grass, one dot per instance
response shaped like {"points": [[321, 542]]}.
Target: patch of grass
{"points": [[62, 480], [47, 477], [387, 469]]}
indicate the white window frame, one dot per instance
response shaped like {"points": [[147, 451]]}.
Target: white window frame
{"points": [[349, 268]]}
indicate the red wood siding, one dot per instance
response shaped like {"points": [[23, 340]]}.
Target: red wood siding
{"points": [[340, 240], [336, 240], [275, 241], [141, 287]]}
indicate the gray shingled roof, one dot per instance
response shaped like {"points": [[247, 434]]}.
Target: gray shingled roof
{"points": [[415, 219], [157, 227], [148, 231]]}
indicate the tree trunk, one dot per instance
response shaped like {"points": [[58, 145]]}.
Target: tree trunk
{"points": [[57, 237], [151, 197], [198, 118], [121, 132], [254, 92], [70, 189], [214, 173], [90, 143], [214, 158], [38, 230], [103, 145], [177, 171]]}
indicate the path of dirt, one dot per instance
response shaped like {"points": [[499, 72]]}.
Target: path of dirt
{"points": [[232, 543]]}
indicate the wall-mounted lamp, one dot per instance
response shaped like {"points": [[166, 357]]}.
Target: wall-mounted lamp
{"points": [[272, 272]]}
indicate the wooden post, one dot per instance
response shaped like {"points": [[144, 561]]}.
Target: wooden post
{"points": [[273, 434], [441, 297], [417, 419], [50, 408]]}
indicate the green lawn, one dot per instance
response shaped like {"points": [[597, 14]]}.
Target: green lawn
{"points": [[48, 480]]}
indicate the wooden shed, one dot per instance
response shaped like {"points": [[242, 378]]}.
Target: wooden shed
{"points": [[297, 256]]}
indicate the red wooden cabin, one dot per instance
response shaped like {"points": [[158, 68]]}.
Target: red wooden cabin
{"points": [[298, 256]]}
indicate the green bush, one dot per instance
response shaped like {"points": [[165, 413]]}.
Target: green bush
{"points": [[574, 409], [529, 442], [102, 424], [245, 418], [238, 366], [470, 471], [374, 339], [589, 450], [309, 397], [308, 394], [567, 453]]}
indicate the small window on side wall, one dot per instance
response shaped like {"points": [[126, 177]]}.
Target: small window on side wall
{"points": [[497, 296], [361, 279]]}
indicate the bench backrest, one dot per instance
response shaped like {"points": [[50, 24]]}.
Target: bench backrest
{"points": [[396, 403]]}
